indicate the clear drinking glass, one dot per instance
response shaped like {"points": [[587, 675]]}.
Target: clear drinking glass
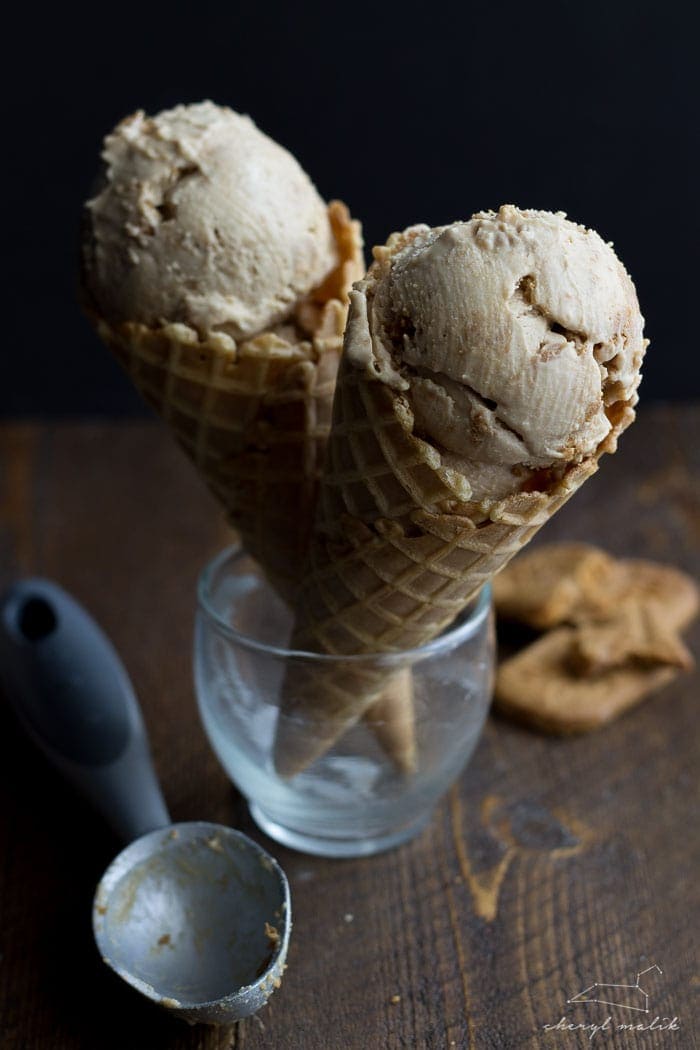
{"points": [[353, 800]]}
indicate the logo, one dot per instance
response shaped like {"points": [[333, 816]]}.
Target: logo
{"points": [[621, 996], [626, 996]]}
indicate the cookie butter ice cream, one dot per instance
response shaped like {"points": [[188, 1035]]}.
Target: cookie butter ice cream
{"points": [[219, 278], [513, 336], [202, 219], [487, 367]]}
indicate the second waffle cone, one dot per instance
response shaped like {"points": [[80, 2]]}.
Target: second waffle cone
{"points": [[397, 552]]}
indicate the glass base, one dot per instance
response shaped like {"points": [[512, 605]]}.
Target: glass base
{"points": [[326, 846]]}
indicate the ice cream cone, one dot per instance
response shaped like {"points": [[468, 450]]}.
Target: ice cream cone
{"points": [[400, 545], [253, 416], [219, 277], [393, 583]]}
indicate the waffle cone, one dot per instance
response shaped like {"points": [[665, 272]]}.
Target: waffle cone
{"points": [[397, 553], [391, 717], [253, 416]]}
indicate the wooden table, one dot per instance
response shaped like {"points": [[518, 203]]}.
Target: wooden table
{"points": [[550, 865]]}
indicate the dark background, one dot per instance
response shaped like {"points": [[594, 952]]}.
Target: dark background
{"points": [[422, 114]]}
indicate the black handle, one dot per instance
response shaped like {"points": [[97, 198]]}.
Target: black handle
{"points": [[71, 692]]}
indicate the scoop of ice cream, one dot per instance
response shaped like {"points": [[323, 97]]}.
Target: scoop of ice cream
{"points": [[514, 335], [203, 219]]}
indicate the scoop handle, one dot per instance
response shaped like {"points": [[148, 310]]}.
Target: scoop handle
{"points": [[70, 691]]}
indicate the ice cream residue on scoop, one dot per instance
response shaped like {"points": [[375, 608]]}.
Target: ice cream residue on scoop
{"points": [[202, 219]]}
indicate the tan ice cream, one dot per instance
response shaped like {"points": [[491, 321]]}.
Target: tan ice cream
{"points": [[515, 333], [204, 220]]}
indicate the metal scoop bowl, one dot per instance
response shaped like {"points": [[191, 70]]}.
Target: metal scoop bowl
{"points": [[195, 916], [188, 914]]}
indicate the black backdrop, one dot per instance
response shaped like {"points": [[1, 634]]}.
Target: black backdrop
{"points": [[421, 113]]}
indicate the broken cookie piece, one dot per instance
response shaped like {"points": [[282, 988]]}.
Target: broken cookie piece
{"points": [[577, 583], [546, 586], [539, 688], [639, 634], [617, 635]]}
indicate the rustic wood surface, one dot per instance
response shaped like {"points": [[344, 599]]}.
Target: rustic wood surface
{"points": [[550, 865]]}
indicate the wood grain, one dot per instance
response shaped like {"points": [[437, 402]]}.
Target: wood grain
{"points": [[551, 864]]}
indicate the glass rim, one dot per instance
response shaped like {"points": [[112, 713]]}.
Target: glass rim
{"points": [[448, 639]]}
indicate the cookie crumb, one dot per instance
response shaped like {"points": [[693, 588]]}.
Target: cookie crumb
{"points": [[272, 933]]}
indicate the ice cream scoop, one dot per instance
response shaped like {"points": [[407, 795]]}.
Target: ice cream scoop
{"points": [[514, 335], [487, 366], [202, 219], [195, 916]]}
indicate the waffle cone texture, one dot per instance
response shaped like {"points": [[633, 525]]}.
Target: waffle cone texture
{"points": [[253, 416], [398, 549]]}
